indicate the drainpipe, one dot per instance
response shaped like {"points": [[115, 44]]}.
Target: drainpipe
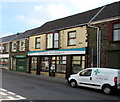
{"points": [[98, 36], [98, 50]]}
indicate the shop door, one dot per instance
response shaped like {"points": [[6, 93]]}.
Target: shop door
{"points": [[21, 65], [14, 64], [52, 67]]}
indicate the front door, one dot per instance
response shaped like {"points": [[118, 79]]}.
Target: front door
{"points": [[21, 65], [52, 66], [13, 64]]}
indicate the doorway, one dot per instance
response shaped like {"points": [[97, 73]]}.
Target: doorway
{"points": [[52, 67]]}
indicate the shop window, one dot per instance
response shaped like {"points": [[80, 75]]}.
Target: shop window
{"points": [[52, 40], [78, 63], [71, 38], [45, 64], [4, 62], [38, 43], [14, 46], [22, 45], [61, 64], [63, 60], [33, 63]]}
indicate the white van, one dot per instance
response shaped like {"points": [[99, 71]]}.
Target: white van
{"points": [[105, 79]]}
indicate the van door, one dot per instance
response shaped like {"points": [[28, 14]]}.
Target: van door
{"points": [[85, 78]]}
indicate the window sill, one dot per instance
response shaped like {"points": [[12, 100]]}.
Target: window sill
{"points": [[118, 41], [37, 48], [14, 51], [71, 45]]}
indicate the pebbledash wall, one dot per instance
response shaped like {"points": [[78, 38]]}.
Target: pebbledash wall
{"points": [[58, 61]]}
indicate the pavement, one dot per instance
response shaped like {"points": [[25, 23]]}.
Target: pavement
{"points": [[43, 77]]}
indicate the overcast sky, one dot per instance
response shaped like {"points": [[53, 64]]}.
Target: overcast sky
{"points": [[20, 15]]}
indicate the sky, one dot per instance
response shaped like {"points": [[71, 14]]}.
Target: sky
{"points": [[17, 16]]}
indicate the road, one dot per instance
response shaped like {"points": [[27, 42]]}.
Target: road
{"points": [[35, 88]]}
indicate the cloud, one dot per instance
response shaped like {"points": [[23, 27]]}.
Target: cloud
{"points": [[38, 8], [20, 17], [58, 11], [43, 13], [20, 0]]}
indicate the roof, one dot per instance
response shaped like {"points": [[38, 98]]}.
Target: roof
{"points": [[110, 11], [17, 36], [25, 34], [81, 18], [7, 39]]}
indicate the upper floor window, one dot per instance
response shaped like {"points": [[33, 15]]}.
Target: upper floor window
{"points": [[71, 38], [52, 40], [7, 48], [37, 43], [116, 32], [14, 46], [1, 48], [22, 45], [56, 40]]}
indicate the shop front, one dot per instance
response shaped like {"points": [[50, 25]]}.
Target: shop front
{"points": [[4, 61], [19, 63], [57, 63]]}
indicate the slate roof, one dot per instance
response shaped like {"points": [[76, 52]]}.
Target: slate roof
{"points": [[111, 10], [25, 34], [7, 39], [17, 36]]}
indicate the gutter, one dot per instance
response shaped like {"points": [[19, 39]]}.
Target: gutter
{"points": [[98, 37]]}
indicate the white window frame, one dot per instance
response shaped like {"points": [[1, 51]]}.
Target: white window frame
{"points": [[72, 38], [14, 48], [38, 43], [7, 48], [53, 40], [22, 46]]}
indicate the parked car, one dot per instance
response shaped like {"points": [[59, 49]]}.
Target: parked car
{"points": [[105, 79]]}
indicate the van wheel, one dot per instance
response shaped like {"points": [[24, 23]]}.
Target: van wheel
{"points": [[73, 83], [107, 89]]}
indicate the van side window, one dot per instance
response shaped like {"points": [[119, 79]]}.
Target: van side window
{"points": [[86, 72]]}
